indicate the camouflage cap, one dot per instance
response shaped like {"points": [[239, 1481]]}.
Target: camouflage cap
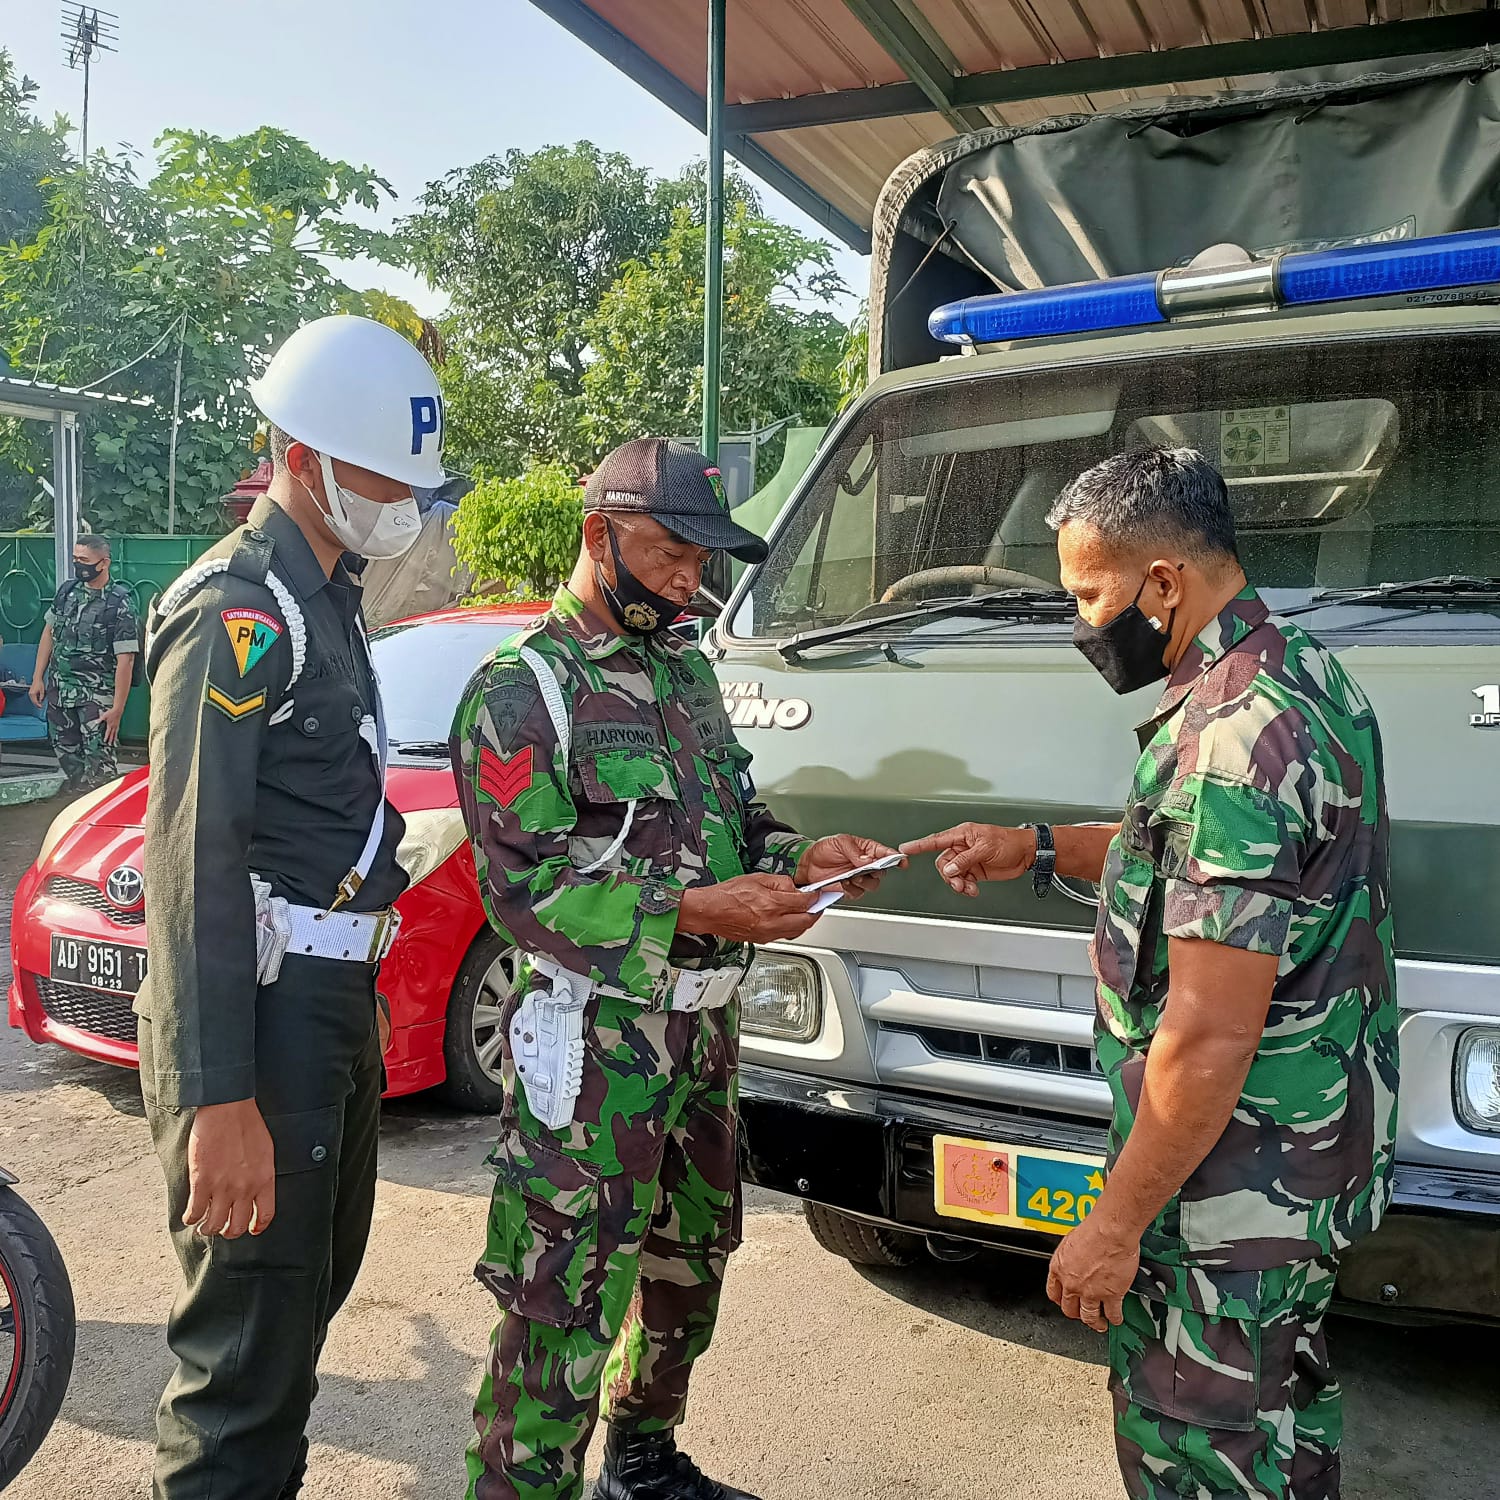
{"points": [[677, 486]]}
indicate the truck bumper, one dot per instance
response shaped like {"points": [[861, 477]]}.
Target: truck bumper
{"points": [[869, 1153]]}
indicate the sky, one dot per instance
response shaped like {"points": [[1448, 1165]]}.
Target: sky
{"points": [[412, 88]]}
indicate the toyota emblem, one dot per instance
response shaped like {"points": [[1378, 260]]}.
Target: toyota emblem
{"points": [[125, 888]]}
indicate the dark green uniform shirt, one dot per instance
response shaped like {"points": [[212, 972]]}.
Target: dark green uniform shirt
{"points": [[91, 628], [248, 777]]}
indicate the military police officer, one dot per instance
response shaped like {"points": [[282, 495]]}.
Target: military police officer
{"points": [[620, 843], [84, 666], [1246, 994], [270, 873]]}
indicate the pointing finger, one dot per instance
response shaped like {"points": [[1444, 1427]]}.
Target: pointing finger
{"points": [[934, 842]]}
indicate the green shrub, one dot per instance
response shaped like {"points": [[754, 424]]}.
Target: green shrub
{"points": [[522, 534]]}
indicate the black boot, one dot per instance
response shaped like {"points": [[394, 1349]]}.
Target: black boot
{"points": [[647, 1466]]}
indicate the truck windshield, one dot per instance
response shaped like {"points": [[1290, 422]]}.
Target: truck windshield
{"points": [[1350, 464]]}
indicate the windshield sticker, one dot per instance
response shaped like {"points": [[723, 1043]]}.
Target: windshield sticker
{"points": [[749, 708], [1488, 716], [1251, 435]]}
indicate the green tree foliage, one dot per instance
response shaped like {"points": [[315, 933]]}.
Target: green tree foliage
{"points": [[524, 246], [782, 342], [32, 153], [575, 287], [219, 255], [854, 367], [522, 534]]}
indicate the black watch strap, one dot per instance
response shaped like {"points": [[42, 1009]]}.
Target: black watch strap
{"points": [[1045, 865]]}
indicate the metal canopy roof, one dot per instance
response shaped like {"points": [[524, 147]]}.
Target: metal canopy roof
{"points": [[826, 97], [37, 398]]}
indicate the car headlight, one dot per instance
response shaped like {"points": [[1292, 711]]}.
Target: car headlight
{"points": [[1476, 1078], [73, 814], [782, 997], [432, 834]]}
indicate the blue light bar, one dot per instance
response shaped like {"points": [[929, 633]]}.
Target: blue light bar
{"points": [[1390, 268], [1471, 258], [1083, 307]]}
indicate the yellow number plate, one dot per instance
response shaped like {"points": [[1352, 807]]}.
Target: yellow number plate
{"points": [[1022, 1187]]}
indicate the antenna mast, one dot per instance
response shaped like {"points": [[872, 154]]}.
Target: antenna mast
{"points": [[85, 31]]}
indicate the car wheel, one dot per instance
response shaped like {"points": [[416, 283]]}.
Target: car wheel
{"points": [[858, 1242], [476, 1019]]}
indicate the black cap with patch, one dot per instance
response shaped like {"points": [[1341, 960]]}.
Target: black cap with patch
{"points": [[677, 486]]}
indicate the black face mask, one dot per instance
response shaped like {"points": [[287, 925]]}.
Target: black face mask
{"points": [[87, 572], [639, 610], [1128, 651]]}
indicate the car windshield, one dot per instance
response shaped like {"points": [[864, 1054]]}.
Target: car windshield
{"points": [[424, 668], [1349, 464]]}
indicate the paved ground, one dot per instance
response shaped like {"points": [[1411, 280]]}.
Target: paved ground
{"points": [[824, 1381]]}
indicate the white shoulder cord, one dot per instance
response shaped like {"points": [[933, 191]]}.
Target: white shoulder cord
{"points": [[557, 711], [296, 626]]}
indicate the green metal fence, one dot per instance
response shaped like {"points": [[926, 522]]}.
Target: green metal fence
{"points": [[147, 564]]}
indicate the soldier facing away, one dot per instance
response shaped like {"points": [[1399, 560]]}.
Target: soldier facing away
{"points": [[84, 666], [621, 845], [1246, 994]]}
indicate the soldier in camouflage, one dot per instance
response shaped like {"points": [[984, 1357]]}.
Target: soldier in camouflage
{"points": [[84, 666], [618, 834], [1246, 994]]}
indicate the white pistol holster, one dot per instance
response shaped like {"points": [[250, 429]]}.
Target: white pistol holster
{"points": [[546, 1041]]}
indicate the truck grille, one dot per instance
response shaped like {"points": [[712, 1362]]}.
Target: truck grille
{"points": [[89, 1010], [81, 893], [1014, 1052]]}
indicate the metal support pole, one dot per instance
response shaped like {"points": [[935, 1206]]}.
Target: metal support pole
{"points": [[176, 423], [64, 492], [713, 255]]}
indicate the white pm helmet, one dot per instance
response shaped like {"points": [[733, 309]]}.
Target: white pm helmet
{"points": [[357, 391]]}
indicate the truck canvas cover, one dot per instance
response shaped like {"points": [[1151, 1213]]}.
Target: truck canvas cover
{"points": [[1312, 162]]}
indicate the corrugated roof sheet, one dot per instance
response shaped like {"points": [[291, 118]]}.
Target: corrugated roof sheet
{"points": [[791, 49], [42, 396]]}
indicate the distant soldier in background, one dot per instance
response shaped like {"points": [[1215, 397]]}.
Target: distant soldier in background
{"points": [[90, 643]]}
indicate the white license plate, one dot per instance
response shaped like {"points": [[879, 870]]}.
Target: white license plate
{"points": [[115, 967]]}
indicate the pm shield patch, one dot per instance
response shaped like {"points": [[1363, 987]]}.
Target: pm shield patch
{"points": [[251, 634]]}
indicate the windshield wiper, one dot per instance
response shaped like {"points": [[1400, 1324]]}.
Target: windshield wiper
{"points": [[1019, 602], [432, 748], [1454, 586]]}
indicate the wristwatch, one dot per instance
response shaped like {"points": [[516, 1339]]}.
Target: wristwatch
{"points": [[1045, 864]]}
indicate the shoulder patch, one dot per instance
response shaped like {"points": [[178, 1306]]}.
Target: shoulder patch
{"points": [[252, 633], [235, 708], [510, 695]]}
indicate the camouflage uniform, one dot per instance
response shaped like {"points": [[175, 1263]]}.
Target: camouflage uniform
{"points": [[91, 628], [1257, 819], [607, 1239]]}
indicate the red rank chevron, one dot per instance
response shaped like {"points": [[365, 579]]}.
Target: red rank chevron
{"points": [[502, 779]]}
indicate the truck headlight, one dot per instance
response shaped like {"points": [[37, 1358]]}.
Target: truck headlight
{"points": [[1476, 1078], [782, 997]]}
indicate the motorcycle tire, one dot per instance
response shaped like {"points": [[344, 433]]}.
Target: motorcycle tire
{"points": [[38, 1332]]}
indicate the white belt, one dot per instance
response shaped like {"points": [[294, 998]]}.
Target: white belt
{"points": [[692, 989], [361, 937], [704, 989]]}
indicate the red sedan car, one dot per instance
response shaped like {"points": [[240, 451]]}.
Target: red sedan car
{"points": [[78, 934]]}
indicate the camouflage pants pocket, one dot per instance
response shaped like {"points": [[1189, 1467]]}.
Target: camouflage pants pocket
{"points": [[542, 1255], [1190, 1346]]}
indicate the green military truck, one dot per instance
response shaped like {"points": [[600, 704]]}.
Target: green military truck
{"points": [[1041, 298]]}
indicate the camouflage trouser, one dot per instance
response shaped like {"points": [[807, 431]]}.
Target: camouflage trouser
{"points": [[606, 1247], [1221, 1385], [78, 741]]}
